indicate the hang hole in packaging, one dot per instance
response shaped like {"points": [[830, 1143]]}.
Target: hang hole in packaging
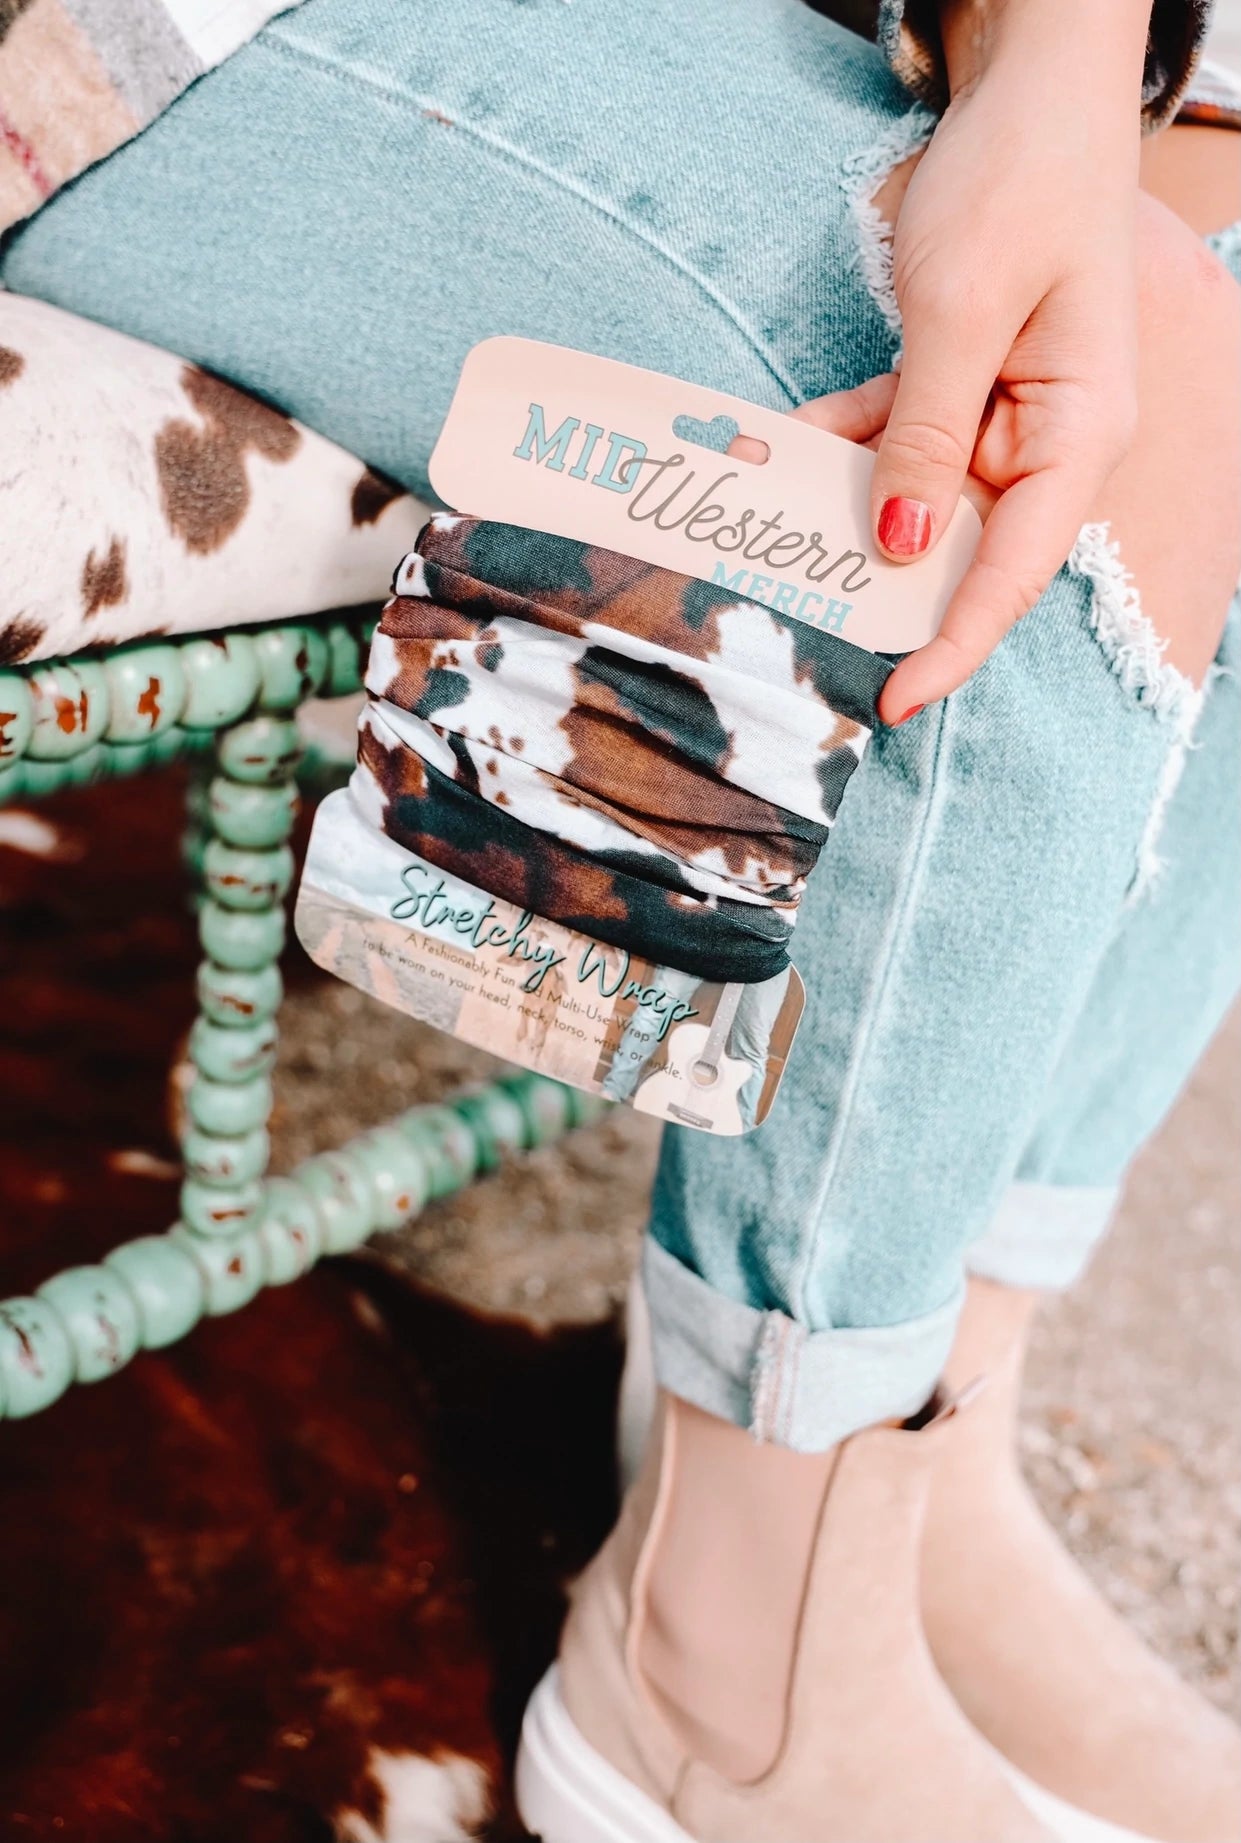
{"points": [[722, 435]]}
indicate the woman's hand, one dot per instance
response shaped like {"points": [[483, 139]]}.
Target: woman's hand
{"points": [[1014, 268], [1171, 504]]}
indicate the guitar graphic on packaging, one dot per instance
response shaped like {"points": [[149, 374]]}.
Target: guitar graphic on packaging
{"points": [[699, 1085]]}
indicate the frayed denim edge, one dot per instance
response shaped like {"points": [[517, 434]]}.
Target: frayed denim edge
{"points": [[1135, 653], [1127, 635], [861, 177]]}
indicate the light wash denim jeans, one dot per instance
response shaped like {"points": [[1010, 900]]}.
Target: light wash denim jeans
{"points": [[1024, 928]]}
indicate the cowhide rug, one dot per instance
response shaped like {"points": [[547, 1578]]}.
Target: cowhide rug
{"points": [[291, 1580]]}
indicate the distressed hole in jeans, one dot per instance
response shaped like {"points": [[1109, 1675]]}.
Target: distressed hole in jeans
{"points": [[874, 182], [1135, 652]]}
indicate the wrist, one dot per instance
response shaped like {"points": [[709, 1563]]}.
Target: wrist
{"points": [[1090, 49]]}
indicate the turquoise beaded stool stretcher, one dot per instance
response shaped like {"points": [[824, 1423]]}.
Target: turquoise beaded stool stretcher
{"points": [[69, 722], [229, 698]]}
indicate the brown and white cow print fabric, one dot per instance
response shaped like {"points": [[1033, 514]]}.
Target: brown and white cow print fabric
{"points": [[141, 495], [651, 759]]}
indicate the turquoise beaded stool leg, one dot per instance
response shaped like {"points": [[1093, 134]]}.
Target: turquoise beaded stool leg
{"points": [[197, 819], [247, 872]]}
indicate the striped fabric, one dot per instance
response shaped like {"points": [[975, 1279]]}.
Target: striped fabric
{"points": [[80, 77], [1214, 97]]}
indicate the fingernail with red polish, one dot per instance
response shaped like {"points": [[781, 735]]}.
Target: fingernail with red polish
{"points": [[904, 527], [912, 712]]}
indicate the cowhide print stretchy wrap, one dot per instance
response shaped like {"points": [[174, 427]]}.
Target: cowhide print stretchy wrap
{"points": [[639, 755]]}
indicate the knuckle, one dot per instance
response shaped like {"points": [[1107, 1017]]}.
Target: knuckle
{"points": [[931, 295], [923, 446], [1000, 595], [963, 657], [1028, 589]]}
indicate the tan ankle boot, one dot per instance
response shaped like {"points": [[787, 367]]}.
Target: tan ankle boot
{"points": [[744, 1663], [1038, 1661]]}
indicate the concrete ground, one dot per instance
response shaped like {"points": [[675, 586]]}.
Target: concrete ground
{"points": [[1133, 1430]]}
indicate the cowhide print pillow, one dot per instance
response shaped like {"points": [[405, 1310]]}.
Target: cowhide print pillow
{"points": [[140, 495]]}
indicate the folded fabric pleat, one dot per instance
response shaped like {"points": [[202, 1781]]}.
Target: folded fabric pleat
{"points": [[634, 753]]}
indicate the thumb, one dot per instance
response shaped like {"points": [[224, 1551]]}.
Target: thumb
{"points": [[925, 452]]}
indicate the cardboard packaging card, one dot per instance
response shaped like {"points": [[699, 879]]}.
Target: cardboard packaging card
{"points": [[611, 455], [589, 448]]}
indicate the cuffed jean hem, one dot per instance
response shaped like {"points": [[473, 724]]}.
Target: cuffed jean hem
{"points": [[1043, 1235], [790, 1386]]}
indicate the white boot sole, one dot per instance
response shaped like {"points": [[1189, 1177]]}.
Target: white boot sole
{"points": [[568, 1793], [1068, 1823]]}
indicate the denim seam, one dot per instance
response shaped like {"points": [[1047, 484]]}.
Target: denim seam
{"points": [[528, 162], [798, 1335], [916, 861], [766, 1377], [765, 1354]]}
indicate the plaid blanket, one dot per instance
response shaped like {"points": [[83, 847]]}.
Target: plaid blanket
{"points": [[80, 77]]}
